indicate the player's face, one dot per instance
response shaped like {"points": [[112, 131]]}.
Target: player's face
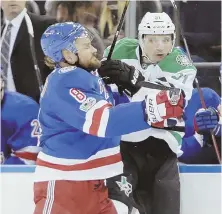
{"points": [[87, 54], [12, 8], [156, 47]]}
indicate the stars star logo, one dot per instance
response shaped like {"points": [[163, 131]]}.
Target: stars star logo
{"points": [[124, 185]]}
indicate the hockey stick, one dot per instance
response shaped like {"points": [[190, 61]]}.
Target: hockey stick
{"points": [[120, 89], [118, 30], [32, 47], [196, 80], [151, 85]]}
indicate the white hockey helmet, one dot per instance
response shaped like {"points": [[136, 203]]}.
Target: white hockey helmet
{"points": [[155, 23]]}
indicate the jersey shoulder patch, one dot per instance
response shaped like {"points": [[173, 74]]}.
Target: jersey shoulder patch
{"points": [[124, 49], [176, 61]]}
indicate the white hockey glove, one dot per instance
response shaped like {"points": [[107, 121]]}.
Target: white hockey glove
{"points": [[162, 105]]}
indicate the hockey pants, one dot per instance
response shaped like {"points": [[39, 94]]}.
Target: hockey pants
{"points": [[72, 197], [154, 166]]}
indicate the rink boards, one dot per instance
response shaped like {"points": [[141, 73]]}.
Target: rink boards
{"points": [[201, 190]]}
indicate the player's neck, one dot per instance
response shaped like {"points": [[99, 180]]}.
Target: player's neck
{"points": [[64, 64]]}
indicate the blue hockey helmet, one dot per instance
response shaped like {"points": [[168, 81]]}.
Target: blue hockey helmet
{"points": [[62, 36]]}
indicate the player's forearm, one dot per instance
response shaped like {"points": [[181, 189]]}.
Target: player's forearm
{"points": [[119, 99], [123, 119]]}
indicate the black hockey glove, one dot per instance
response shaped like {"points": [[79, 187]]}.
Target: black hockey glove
{"points": [[124, 76]]}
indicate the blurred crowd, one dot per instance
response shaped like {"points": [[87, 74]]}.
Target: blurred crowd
{"points": [[100, 17], [203, 32]]}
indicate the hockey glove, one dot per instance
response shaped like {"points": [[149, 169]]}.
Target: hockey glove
{"points": [[164, 105], [205, 120], [121, 74]]}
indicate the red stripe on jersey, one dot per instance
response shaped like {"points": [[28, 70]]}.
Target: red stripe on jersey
{"points": [[26, 155], [96, 119], [83, 166]]}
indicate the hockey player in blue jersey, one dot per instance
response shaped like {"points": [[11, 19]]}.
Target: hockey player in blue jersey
{"points": [[199, 122], [196, 144], [81, 126], [19, 128]]}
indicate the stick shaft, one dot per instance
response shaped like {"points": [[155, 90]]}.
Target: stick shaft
{"points": [[117, 31], [196, 80]]}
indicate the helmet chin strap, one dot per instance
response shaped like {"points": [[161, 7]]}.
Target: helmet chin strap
{"points": [[146, 58]]}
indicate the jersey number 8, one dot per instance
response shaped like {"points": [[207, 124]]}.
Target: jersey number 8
{"points": [[78, 95]]}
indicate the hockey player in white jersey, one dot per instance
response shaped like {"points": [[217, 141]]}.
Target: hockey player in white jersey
{"points": [[154, 151]]}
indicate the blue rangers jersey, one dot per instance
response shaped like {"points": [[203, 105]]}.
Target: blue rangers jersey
{"points": [[81, 127], [19, 129], [192, 142]]}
